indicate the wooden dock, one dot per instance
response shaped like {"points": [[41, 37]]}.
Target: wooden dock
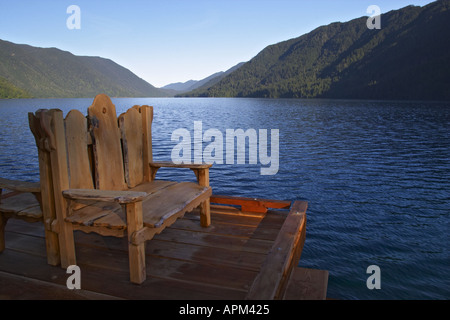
{"points": [[242, 255]]}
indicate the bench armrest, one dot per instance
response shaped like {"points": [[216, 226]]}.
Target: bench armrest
{"points": [[201, 170], [166, 164], [122, 197], [21, 186]]}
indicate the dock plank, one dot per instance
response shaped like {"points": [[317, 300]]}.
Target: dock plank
{"points": [[215, 241], [226, 275], [263, 231], [22, 204], [276, 268], [16, 287], [185, 261]]}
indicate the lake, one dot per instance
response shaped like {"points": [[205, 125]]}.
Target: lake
{"points": [[376, 176]]}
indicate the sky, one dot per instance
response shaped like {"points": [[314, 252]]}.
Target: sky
{"points": [[171, 41]]}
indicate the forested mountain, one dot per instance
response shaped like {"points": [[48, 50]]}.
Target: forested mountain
{"points": [[189, 85], [408, 58], [27, 71], [10, 91], [209, 82]]}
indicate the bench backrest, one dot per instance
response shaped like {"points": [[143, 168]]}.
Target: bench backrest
{"points": [[100, 151]]}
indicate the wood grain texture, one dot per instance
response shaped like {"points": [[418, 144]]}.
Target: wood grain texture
{"points": [[60, 182], [132, 134], [183, 196], [278, 264], [124, 196], [22, 204], [32, 289], [91, 214], [307, 284], [136, 252], [184, 262], [109, 173], [166, 164], [99, 172], [47, 196], [147, 119], [21, 186], [77, 151]]}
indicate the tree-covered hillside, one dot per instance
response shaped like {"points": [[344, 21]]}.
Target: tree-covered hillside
{"points": [[408, 58], [53, 73], [9, 91]]}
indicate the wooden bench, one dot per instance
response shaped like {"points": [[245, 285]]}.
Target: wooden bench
{"points": [[102, 174]]}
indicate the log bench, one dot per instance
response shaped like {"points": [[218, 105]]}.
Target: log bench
{"points": [[101, 174]]}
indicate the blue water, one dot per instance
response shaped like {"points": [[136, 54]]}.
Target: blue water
{"points": [[376, 176]]}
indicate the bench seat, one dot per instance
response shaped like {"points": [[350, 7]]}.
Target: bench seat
{"points": [[165, 199], [21, 205]]}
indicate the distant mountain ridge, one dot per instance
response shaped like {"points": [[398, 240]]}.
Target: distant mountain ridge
{"points": [[408, 58], [180, 87], [53, 73]]}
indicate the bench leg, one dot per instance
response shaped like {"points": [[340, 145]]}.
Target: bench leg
{"points": [[3, 221], [52, 245], [205, 214], [205, 210], [67, 245], [65, 237], [51, 238], [136, 253]]}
